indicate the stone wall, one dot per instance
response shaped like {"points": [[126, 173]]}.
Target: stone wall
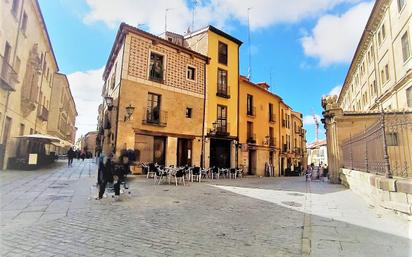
{"points": [[393, 194]]}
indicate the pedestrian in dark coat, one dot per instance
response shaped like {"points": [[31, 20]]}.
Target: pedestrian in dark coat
{"points": [[70, 156], [105, 175]]}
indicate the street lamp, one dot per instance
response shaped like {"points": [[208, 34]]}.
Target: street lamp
{"points": [[109, 102], [129, 111]]}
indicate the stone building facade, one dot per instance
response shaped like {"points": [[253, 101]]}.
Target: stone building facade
{"points": [[164, 82], [28, 66], [381, 70], [62, 111]]}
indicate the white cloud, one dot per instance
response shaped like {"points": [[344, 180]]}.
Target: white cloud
{"points": [[218, 12], [335, 91], [334, 38], [86, 88], [308, 119]]}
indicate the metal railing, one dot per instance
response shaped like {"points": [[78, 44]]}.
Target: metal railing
{"points": [[222, 128], [155, 117], [384, 148], [251, 138], [223, 91], [8, 76], [272, 118], [272, 142], [43, 113], [251, 111]]}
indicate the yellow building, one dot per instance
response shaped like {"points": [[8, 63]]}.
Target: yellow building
{"points": [[222, 76], [265, 132], [158, 91], [62, 114], [27, 65]]}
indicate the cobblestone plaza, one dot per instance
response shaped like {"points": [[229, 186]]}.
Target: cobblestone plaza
{"points": [[53, 213]]}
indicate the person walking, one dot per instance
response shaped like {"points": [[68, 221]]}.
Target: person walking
{"points": [[70, 156], [104, 175]]}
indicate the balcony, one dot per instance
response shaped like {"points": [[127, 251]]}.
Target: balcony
{"points": [[284, 123], [251, 111], [8, 77], [272, 118], [298, 131], [222, 129], [154, 117], [272, 142], [284, 148], [298, 151], [223, 91], [251, 138], [43, 113]]}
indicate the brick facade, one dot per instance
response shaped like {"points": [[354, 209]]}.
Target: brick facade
{"points": [[175, 64]]}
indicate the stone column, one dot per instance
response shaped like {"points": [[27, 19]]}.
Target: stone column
{"points": [[329, 104]]}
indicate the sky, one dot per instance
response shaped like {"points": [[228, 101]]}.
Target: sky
{"points": [[302, 48]]}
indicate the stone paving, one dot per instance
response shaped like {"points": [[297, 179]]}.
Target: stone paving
{"points": [[52, 213]]}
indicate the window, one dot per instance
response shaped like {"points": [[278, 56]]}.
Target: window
{"points": [[271, 115], [7, 52], [401, 4], [383, 32], [392, 139], [191, 71], [31, 131], [14, 7], [222, 126], [189, 113], [249, 102], [222, 49], [156, 67], [153, 108], [405, 47], [21, 132], [222, 89], [387, 72], [24, 23], [379, 37], [113, 79], [250, 137], [409, 97]]}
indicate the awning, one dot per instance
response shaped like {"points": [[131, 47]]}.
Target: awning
{"points": [[40, 138], [62, 143]]}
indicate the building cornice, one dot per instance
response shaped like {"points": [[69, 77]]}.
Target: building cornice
{"points": [[373, 22]]}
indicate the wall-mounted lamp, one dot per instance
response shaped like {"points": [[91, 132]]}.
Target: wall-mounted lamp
{"points": [[109, 102], [129, 112]]}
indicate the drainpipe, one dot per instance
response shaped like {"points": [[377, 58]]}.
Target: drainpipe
{"points": [[202, 154]]}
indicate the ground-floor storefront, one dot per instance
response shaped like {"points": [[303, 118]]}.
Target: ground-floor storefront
{"points": [[258, 160], [176, 150]]}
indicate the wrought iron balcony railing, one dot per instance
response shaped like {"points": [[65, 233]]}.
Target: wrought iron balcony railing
{"points": [[251, 138], [272, 142], [222, 129], [155, 117], [43, 113], [272, 118], [223, 91], [8, 76], [251, 111]]}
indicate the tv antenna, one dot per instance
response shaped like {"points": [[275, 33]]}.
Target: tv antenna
{"points": [[195, 4], [166, 10]]}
